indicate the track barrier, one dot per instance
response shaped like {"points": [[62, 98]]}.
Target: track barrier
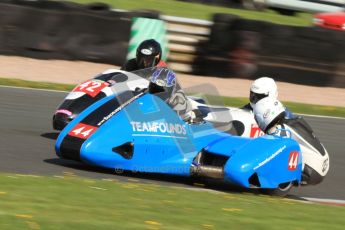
{"points": [[229, 46]]}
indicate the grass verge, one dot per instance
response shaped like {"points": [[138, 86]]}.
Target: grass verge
{"points": [[228, 101], [300, 108], [35, 84], [37, 202], [203, 11]]}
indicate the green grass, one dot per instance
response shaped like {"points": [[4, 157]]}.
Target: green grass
{"points": [[227, 101], [202, 11], [32, 202], [35, 85], [295, 107]]}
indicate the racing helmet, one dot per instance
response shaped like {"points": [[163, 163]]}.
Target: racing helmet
{"points": [[268, 112], [148, 54], [261, 88], [162, 83]]}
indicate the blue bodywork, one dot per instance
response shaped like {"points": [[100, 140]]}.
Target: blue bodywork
{"points": [[144, 134]]}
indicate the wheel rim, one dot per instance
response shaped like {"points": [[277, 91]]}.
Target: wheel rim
{"points": [[285, 186]]}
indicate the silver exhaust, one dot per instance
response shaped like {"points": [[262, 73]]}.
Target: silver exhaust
{"points": [[207, 171]]}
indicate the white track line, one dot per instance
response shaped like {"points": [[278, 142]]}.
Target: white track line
{"points": [[306, 199], [325, 201], [320, 116]]}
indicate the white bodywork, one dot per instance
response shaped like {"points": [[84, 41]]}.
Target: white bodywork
{"points": [[311, 155]]}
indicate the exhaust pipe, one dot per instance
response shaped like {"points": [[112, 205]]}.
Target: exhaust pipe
{"points": [[207, 171]]}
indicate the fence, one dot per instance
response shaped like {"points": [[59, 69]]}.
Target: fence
{"points": [[228, 46], [234, 47]]}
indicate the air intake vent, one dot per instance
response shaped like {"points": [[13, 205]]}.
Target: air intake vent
{"points": [[254, 180], [125, 150], [70, 148], [211, 159], [310, 176]]}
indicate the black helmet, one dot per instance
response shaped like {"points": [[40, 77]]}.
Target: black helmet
{"points": [[149, 53]]}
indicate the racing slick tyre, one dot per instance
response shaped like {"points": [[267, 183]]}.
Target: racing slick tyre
{"points": [[282, 190]]}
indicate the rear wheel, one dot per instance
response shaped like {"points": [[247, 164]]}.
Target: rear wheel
{"points": [[282, 190]]}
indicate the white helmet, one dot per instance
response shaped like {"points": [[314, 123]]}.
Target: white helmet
{"points": [[268, 111], [261, 88]]}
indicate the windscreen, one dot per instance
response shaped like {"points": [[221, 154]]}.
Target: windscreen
{"points": [[303, 129]]}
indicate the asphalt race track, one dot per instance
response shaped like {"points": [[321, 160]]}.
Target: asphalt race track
{"points": [[27, 144]]}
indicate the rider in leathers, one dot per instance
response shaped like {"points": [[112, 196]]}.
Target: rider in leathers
{"points": [[163, 83], [261, 88], [148, 54], [271, 117]]}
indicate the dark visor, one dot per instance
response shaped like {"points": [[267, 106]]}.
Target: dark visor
{"points": [[149, 61], [255, 97]]}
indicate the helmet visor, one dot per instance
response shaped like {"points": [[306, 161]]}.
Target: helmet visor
{"points": [[255, 97], [148, 61]]}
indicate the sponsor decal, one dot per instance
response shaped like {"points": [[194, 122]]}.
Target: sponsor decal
{"points": [[293, 160], [176, 169], [270, 158], [255, 131], [254, 87], [118, 109], [146, 51], [64, 111], [325, 165], [91, 87], [82, 131], [158, 127], [267, 113]]}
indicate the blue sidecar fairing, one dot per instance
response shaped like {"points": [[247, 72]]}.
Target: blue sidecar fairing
{"points": [[138, 131]]}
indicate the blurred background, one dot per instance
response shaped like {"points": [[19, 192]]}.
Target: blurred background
{"points": [[295, 41], [220, 43]]}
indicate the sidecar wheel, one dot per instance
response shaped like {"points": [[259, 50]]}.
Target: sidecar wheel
{"points": [[282, 190]]}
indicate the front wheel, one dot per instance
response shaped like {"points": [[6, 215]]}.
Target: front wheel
{"points": [[282, 190]]}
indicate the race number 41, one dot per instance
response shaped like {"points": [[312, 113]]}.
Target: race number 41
{"points": [[82, 131], [293, 160]]}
